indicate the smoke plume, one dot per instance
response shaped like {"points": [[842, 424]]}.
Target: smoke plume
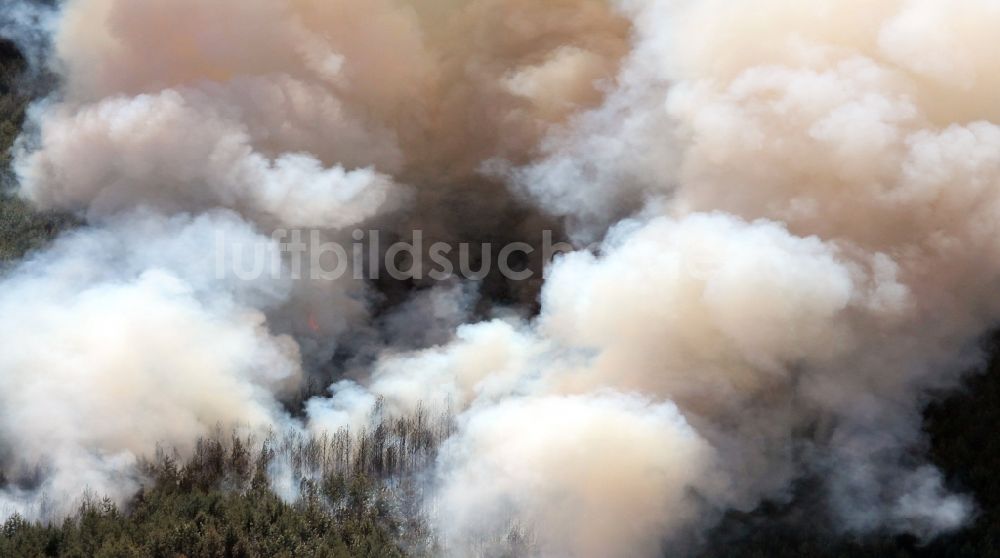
{"points": [[791, 209]]}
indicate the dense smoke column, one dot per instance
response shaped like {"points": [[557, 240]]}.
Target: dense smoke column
{"points": [[292, 117], [792, 203]]}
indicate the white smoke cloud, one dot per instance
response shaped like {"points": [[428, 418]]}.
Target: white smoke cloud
{"points": [[564, 468], [795, 203], [181, 152], [289, 115], [139, 348], [813, 205]]}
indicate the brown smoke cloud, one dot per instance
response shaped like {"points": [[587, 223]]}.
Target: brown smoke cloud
{"points": [[794, 204]]}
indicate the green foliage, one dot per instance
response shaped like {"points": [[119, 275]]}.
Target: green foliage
{"points": [[219, 503], [12, 104], [169, 522], [22, 229]]}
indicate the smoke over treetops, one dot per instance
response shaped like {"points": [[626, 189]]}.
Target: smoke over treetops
{"points": [[793, 203]]}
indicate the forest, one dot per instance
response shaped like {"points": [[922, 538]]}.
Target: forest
{"points": [[359, 491]]}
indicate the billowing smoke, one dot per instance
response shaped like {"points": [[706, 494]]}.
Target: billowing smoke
{"points": [[792, 206], [140, 348]]}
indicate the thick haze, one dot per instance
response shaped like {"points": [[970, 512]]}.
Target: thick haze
{"points": [[794, 205]]}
